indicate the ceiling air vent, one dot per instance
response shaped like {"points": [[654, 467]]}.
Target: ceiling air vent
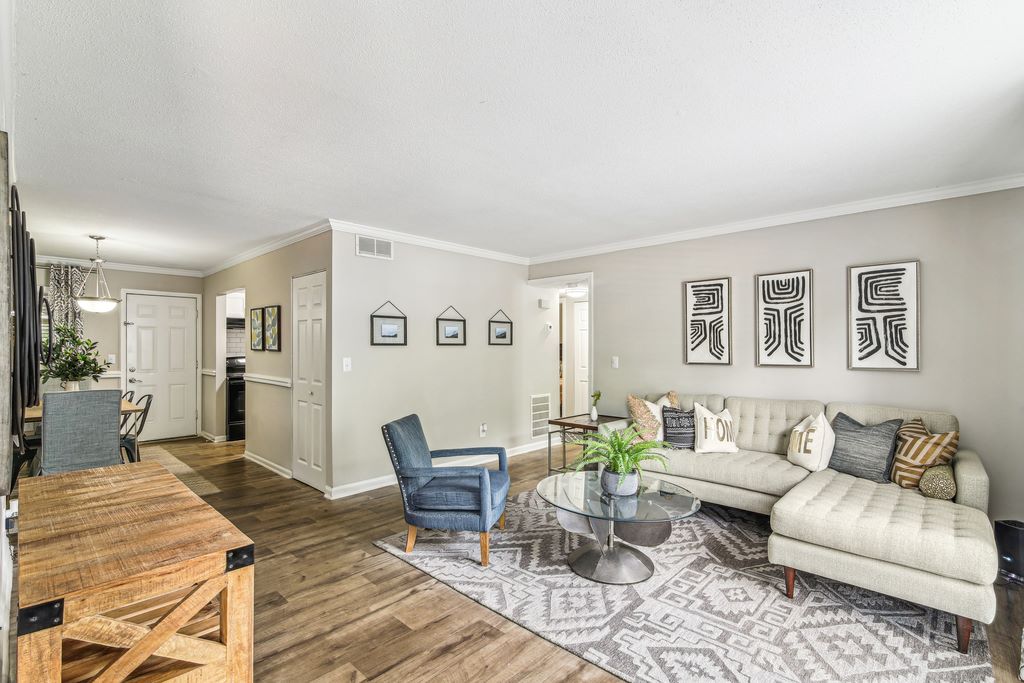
{"points": [[374, 248]]}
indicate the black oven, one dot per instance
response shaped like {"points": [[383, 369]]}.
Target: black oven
{"points": [[236, 398]]}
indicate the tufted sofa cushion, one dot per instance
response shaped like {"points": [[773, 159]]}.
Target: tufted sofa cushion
{"points": [[869, 414], [764, 424], [762, 472], [889, 523]]}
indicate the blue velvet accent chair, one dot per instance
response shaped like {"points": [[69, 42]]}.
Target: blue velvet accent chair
{"points": [[451, 498]]}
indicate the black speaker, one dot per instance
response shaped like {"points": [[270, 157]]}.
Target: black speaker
{"points": [[1010, 543]]}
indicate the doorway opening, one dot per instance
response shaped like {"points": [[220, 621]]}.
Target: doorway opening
{"points": [[575, 341]]}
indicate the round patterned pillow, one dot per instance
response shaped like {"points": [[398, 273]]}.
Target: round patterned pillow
{"points": [[938, 482]]}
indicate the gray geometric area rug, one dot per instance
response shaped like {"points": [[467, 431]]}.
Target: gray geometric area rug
{"points": [[714, 610]]}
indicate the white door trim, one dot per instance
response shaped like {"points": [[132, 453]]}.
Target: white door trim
{"points": [[199, 342]]}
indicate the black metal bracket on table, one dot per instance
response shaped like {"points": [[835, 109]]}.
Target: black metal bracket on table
{"points": [[241, 557], [40, 617]]}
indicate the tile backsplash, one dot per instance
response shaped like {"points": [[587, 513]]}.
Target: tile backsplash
{"points": [[236, 342]]}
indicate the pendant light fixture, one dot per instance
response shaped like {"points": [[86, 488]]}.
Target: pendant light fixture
{"points": [[96, 304]]}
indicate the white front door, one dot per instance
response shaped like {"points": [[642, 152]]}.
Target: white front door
{"points": [[309, 367], [581, 356], [160, 359]]}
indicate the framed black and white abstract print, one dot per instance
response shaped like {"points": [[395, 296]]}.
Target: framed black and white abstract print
{"points": [[884, 316], [784, 319], [707, 322]]}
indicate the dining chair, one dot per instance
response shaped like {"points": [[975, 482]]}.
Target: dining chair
{"points": [[130, 397], [81, 430], [132, 430], [453, 498]]}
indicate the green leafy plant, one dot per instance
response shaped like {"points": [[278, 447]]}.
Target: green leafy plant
{"points": [[620, 451], [596, 396], [74, 357]]}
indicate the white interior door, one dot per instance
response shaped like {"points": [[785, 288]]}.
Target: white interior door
{"points": [[309, 367], [160, 359], [581, 355]]}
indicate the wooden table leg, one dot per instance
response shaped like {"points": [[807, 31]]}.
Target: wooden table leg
{"points": [[236, 623], [39, 656]]}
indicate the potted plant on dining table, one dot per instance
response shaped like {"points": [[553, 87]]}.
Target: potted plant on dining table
{"points": [[74, 359], [621, 453]]}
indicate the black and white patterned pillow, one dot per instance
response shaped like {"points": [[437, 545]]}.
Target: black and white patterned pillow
{"points": [[678, 424]]}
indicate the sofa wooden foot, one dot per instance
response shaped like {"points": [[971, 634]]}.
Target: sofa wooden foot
{"points": [[485, 547], [964, 626], [501, 521], [790, 581], [410, 540]]}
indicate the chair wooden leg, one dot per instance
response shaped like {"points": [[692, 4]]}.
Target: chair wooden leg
{"points": [[485, 547], [964, 626], [410, 539], [501, 521], [790, 581]]}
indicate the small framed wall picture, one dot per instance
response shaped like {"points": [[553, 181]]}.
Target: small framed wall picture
{"points": [[451, 328], [784, 319], [499, 329], [256, 329], [707, 322], [388, 326], [271, 328]]}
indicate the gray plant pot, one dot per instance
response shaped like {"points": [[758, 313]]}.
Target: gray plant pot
{"points": [[610, 483]]}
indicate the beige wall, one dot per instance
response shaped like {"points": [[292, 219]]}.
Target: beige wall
{"points": [[972, 349], [453, 389], [267, 281], [105, 328]]}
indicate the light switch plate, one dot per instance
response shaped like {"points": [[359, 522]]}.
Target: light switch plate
{"points": [[112, 358], [346, 364], [615, 362]]}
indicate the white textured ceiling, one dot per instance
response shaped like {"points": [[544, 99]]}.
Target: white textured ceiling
{"points": [[190, 131]]}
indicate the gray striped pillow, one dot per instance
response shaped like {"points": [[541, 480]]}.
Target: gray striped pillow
{"points": [[863, 451]]}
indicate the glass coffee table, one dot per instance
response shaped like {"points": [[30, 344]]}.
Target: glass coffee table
{"points": [[643, 519]]}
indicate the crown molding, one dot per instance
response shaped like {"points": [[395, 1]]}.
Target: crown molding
{"points": [[407, 238], [272, 245], [111, 265], [845, 209]]}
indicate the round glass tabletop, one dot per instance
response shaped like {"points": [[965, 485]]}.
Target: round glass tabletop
{"points": [[581, 493]]}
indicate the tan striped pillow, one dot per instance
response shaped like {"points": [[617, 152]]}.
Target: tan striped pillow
{"points": [[917, 449]]}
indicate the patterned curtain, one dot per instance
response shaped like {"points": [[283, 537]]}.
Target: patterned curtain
{"points": [[65, 282]]}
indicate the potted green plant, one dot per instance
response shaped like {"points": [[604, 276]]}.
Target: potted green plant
{"points": [[621, 453], [595, 397], [74, 359]]}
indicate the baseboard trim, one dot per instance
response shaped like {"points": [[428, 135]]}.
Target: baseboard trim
{"points": [[272, 466], [357, 487], [212, 438]]}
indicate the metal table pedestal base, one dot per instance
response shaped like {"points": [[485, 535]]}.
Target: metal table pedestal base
{"points": [[618, 564]]}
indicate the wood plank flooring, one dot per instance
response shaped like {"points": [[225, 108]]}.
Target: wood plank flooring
{"points": [[330, 606]]}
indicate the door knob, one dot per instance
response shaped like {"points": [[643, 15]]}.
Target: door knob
{"points": [[131, 369], [132, 380], [311, 393]]}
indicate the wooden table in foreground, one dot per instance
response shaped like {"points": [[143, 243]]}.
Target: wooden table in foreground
{"points": [[35, 413], [118, 567], [578, 425]]}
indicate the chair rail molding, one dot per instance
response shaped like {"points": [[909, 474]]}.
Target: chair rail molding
{"points": [[268, 379]]}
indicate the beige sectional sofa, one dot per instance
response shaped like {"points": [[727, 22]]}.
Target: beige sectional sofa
{"points": [[882, 537]]}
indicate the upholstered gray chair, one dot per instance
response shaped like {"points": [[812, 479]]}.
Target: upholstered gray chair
{"points": [[81, 430], [452, 498]]}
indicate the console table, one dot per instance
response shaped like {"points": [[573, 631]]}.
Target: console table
{"points": [[126, 574], [578, 425]]}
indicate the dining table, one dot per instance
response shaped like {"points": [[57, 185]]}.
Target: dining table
{"points": [[35, 413]]}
